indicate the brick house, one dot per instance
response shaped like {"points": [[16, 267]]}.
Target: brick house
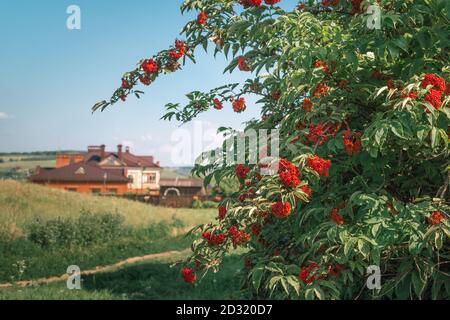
{"points": [[103, 172]]}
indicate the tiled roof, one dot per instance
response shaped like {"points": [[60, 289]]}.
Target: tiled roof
{"points": [[79, 172], [129, 159]]}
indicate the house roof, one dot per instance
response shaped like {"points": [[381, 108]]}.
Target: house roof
{"points": [[79, 172], [128, 159], [181, 182]]}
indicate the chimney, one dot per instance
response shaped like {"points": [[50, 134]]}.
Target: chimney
{"points": [[127, 149], [102, 149], [119, 151]]}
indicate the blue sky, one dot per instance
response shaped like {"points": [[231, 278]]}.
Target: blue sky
{"points": [[51, 76]]}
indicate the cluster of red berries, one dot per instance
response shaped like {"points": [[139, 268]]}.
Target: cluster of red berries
{"points": [[242, 171], [336, 217], [202, 18], [238, 104], [271, 2], [309, 274], [335, 270], [188, 275], [305, 273], [238, 237], [214, 239], [275, 95], [250, 3], [330, 3], [411, 95], [377, 74], [436, 218], [356, 7], [248, 263], [352, 142], [390, 84], [306, 189], [438, 88], [288, 173], [179, 50], [307, 105], [323, 65], [125, 84], [242, 64], [321, 166], [251, 194], [150, 66], [145, 80], [320, 90], [317, 134], [217, 104], [281, 210], [256, 229], [222, 212]]}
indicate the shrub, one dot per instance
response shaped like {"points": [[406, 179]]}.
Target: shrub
{"points": [[198, 204], [209, 205], [86, 229], [363, 118], [158, 230]]}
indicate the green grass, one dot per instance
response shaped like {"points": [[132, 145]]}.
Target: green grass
{"points": [[27, 164], [22, 202], [154, 280], [46, 262], [147, 229]]}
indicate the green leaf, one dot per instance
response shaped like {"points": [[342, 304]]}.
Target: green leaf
{"points": [[438, 240], [257, 276], [397, 129], [418, 284], [319, 293], [348, 246], [294, 283]]}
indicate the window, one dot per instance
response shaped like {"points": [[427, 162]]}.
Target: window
{"points": [[72, 189], [149, 178], [80, 171], [96, 191], [131, 178], [112, 191]]}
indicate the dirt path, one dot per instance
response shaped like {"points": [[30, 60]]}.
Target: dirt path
{"points": [[99, 269]]}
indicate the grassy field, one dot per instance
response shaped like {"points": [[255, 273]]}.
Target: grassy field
{"points": [[19, 166], [22, 202], [27, 165], [30, 213], [156, 280]]}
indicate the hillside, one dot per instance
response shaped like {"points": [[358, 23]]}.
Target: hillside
{"points": [[21, 202], [63, 235]]}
